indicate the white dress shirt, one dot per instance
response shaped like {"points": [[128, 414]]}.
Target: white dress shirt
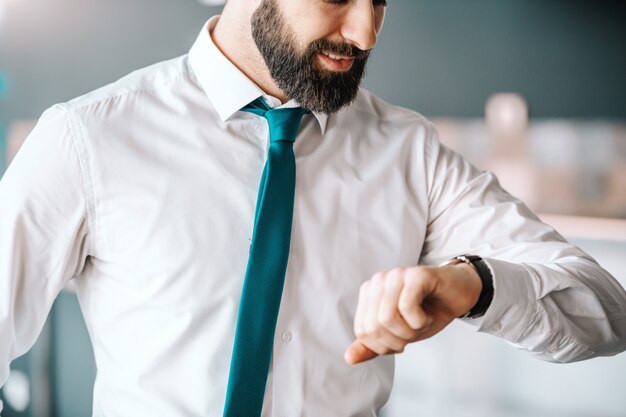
{"points": [[143, 194]]}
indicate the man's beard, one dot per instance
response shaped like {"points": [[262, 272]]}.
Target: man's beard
{"points": [[299, 75]]}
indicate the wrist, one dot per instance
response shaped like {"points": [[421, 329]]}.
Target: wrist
{"points": [[480, 274]]}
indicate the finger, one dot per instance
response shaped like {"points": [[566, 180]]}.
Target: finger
{"points": [[388, 314], [375, 336], [374, 294], [357, 352], [383, 342], [417, 287], [360, 309]]}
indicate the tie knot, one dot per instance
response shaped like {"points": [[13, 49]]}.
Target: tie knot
{"points": [[283, 123]]}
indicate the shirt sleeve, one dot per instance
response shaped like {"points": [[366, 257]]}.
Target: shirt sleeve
{"points": [[550, 297], [43, 231]]}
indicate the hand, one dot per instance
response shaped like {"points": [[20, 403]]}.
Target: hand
{"points": [[406, 305]]}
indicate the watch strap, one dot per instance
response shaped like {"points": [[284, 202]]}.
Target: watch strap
{"points": [[486, 294]]}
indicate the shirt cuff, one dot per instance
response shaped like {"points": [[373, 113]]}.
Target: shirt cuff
{"points": [[514, 301]]}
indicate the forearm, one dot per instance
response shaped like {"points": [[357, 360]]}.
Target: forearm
{"points": [[565, 311]]}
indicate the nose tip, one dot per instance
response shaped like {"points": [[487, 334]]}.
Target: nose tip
{"points": [[361, 27], [368, 42], [364, 39]]}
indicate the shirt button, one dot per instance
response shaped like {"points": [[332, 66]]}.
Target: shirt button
{"points": [[286, 336]]}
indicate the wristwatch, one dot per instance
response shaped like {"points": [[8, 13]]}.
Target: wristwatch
{"points": [[486, 294]]}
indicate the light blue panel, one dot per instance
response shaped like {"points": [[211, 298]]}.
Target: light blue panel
{"points": [[3, 149], [3, 84], [73, 369]]}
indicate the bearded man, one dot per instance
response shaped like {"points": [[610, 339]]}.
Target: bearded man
{"points": [[250, 233]]}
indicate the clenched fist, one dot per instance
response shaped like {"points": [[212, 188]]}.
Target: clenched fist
{"points": [[406, 305]]}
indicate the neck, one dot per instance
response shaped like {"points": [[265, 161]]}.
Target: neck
{"points": [[233, 37]]}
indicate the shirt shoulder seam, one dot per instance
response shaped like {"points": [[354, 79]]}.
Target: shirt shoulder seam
{"points": [[77, 134], [78, 105]]}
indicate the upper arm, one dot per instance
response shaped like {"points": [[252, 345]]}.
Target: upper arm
{"points": [[44, 231]]}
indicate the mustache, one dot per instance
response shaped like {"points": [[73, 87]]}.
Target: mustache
{"points": [[339, 48]]}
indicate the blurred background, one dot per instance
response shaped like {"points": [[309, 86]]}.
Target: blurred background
{"points": [[532, 90]]}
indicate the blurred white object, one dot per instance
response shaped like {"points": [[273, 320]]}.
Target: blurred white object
{"points": [[594, 228], [554, 144], [213, 2], [507, 114], [556, 166], [17, 391]]}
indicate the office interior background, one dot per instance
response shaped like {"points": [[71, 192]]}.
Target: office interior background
{"points": [[532, 90]]}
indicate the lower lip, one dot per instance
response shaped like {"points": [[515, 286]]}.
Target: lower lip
{"points": [[340, 65]]}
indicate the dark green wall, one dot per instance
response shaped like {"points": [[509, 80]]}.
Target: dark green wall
{"points": [[445, 57], [73, 368]]}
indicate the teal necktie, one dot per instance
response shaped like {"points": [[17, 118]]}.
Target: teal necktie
{"points": [[267, 264]]}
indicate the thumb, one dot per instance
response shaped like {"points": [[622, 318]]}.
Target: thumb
{"points": [[357, 352]]}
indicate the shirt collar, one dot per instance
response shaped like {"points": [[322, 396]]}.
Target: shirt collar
{"points": [[227, 87]]}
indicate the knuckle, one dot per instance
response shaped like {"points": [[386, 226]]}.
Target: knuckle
{"points": [[396, 273], [394, 280], [417, 274], [372, 330], [378, 278], [386, 317]]}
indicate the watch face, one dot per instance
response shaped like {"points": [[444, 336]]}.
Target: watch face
{"points": [[470, 258], [453, 261]]}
